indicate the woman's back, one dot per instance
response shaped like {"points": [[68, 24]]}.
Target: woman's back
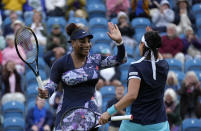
{"points": [[149, 107]]}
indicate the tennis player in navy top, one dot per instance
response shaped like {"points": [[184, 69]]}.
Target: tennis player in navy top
{"points": [[79, 71], [146, 84]]}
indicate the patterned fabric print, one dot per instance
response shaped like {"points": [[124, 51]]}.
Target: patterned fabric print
{"points": [[51, 86], [92, 105], [80, 119], [109, 61], [83, 74]]}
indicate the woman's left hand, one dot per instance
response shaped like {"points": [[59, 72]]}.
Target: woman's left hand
{"points": [[104, 118], [114, 32]]}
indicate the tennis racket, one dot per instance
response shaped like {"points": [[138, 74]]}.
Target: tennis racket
{"points": [[84, 119], [26, 39]]}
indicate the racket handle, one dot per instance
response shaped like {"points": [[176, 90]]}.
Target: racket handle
{"points": [[40, 83], [125, 117]]}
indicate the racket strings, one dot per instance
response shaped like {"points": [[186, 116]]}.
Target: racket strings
{"points": [[25, 39]]}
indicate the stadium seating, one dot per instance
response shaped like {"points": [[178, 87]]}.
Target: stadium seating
{"points": [[114, 20], [124, 76], [94, 1], [56, 20], [31, 78], [98, 47], [78, 20], [101, 37], [32, 91], [41, 63], [96, 10], [129, 50], [191, 124], [196, 9], [108, 92], [14, 124], [140, 24], [98, 24], [175, 64], [137, 53], [41, 50], [193, 64], [126, 65], [180, 76], [13, 109]]}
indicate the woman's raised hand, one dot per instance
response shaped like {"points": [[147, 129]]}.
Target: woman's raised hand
{"points": [[114, 32]]}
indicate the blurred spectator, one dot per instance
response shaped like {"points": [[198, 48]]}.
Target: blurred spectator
{"points": [[109, 76], [119, 92], [98, 98], [55, 99], [81, 13], [172, 44], [10, 54], [75, 5], [55, 7], [172, 109], [13, 5], [2, 41], [189, 96], [191, 44], [11, 78], [139, 8], [12, 83], [172, 81], [17, 25], [183, 16], [31, 5], [39, 118], [7, 29], [39, 28], [51, 56], [162, 16], [124, 25], [115, 6], [56, 45], [56, 38]]}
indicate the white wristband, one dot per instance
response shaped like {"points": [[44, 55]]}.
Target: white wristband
{"points": [[118, 44]]}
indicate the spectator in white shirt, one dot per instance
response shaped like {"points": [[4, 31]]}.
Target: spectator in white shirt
{"points": [[162, 16]]}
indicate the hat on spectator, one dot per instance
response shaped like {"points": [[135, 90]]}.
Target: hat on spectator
{"points": [[122, 14], [10, 36], [17, 22], [163, 2]]}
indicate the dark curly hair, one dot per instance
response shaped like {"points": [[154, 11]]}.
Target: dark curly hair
{"points": [[154, 42]]}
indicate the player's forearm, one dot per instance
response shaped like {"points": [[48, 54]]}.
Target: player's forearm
{"points": [[124, 102], [121, 54]]}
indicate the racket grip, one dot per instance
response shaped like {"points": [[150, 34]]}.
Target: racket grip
{"points": [[40, 83], [126, 117]]}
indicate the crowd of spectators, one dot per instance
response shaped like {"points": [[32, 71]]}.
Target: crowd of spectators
{"points": [[173, 19]]}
